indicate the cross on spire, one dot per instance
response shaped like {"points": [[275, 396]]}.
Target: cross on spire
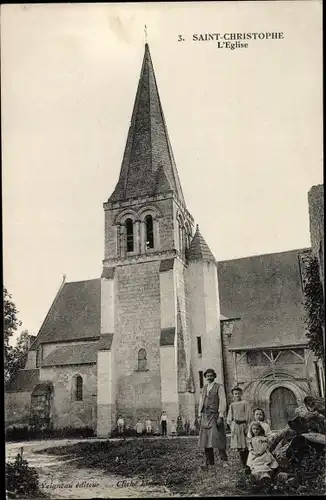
{"points": [[145, 31]]}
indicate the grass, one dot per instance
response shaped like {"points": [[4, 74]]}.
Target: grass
{"points": [[178, 464], [175, 463]]}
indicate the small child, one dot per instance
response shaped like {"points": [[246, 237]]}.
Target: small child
{"points": [[238, 419], [259, 416], [179, 425], [260, 459], [173, 428], [148, 425], [139, 428], [120, 424]]}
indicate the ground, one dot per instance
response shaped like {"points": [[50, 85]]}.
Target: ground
{"points": [[143, 468], [136, 468]]}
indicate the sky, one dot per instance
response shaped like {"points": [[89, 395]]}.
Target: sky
{"points": [[245, 126]]}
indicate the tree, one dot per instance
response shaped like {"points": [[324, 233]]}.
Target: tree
{"points": [[10, 325], [14, 356], [314, 305], [19, 354]]}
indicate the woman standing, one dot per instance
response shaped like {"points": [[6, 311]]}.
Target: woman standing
{"points": [[212, 406]]}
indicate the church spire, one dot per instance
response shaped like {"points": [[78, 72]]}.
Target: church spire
{"points": [[148, 165]]}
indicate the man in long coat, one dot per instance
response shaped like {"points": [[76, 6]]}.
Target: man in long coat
{"points": [[211, 410]]}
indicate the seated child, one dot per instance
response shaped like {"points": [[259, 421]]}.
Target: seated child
{"points": [[260, 459], [259, 416]]}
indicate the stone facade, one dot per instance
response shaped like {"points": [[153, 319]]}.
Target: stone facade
{"points": [[66, 411]]}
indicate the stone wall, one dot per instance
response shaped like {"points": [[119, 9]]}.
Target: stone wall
{"points": [[255, 376], [204, 320], [65, 411], [138, 326]]}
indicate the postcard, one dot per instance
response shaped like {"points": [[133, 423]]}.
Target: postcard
{"points": [[163, 249]]}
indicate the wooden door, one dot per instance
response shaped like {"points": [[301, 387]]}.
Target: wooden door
{"points": [[282, 407]]}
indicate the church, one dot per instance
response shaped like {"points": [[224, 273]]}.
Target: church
{"points": [[138, 339]]}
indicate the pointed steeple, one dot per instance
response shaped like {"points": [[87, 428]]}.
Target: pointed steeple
{"points": [[198, 248], [148, 165]]}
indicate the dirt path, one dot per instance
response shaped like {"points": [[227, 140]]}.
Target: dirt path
{"points": [[61, 479]]}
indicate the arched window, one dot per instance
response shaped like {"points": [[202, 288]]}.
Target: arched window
{"points": [[39, 356], [180, 237], [78, 388], [142, 360], [149, 232], [130, 235]]}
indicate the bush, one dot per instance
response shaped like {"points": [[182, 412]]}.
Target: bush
{"points": [[302, 477], [21, 479], [194, 432], [27, 433]]}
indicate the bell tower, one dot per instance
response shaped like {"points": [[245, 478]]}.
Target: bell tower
{"points": [[148, 230]]}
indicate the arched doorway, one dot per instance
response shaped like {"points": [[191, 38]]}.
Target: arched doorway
{"points": [[282, 407]]}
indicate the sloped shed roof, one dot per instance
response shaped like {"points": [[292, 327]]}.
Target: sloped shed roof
{"points": [[25, 381], [266, 292]]}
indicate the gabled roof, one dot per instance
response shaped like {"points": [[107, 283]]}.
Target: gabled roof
{"points": [[74, 315], [198, 248], [148, 165], [265, 292], [25, 381]]}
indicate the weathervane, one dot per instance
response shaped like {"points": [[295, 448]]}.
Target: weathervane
{"points": [[145, 31]]}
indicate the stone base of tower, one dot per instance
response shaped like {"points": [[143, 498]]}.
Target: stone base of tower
{"points": [[106, 419], [106, 406], [187, 406]]}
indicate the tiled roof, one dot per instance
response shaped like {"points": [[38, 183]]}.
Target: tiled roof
{"points": [[42, 388], [265, 292], [198, 249], [148, 165], [166, 265], [25, 381], [74, 315], [105, 342], [108, 273], [75, 354]]}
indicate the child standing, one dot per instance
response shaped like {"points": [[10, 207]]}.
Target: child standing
{"points": [[260, 459], [238, 419], [259, 416], [148, 425], [173, 428], [164, 422], [179, 425], [120, 424]]}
